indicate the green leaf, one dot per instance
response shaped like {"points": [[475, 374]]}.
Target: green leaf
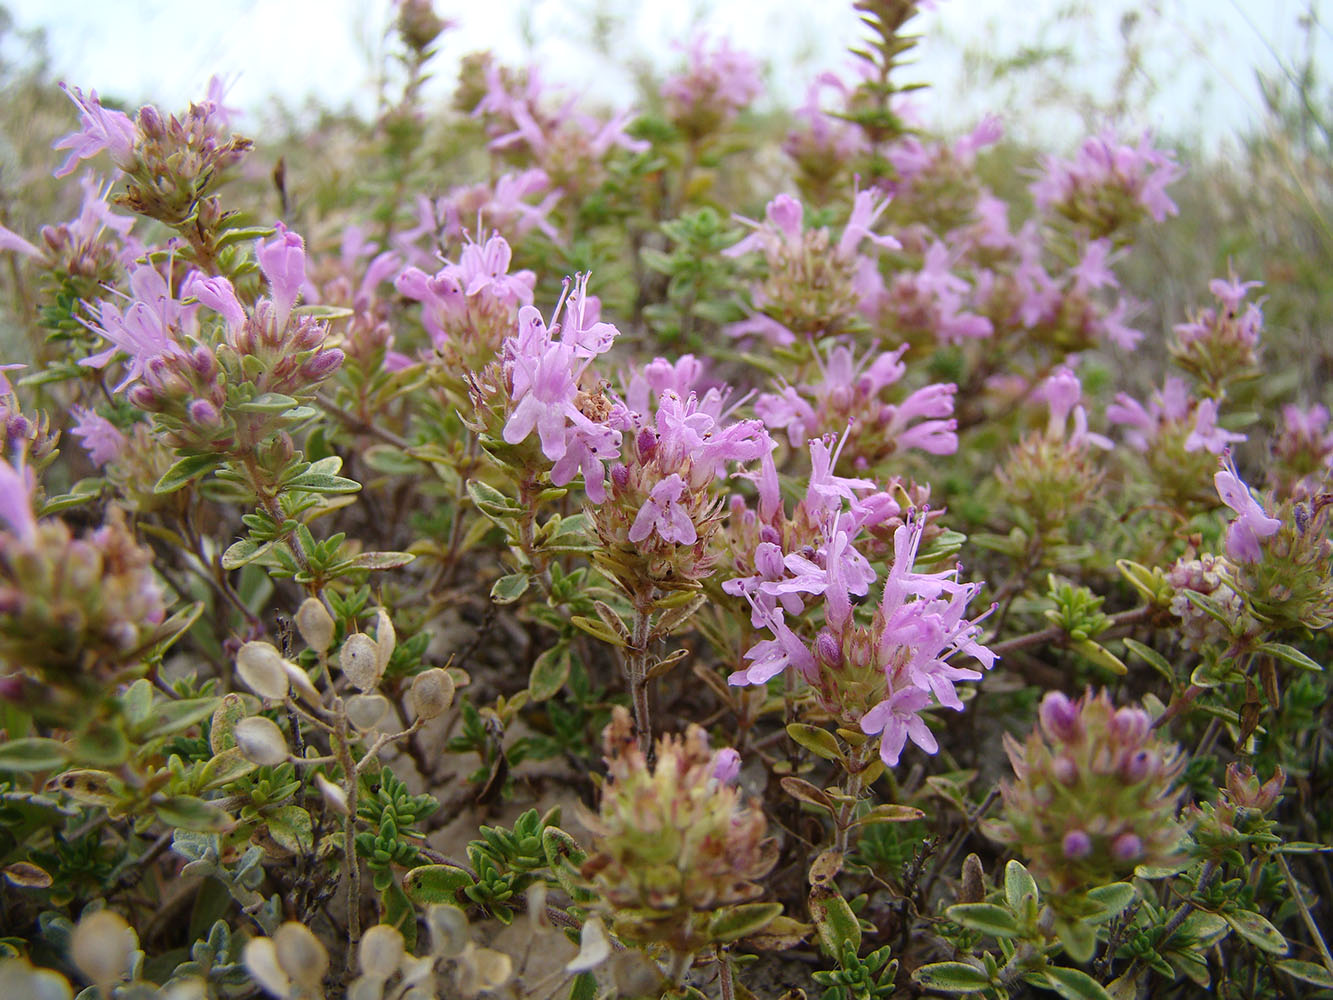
{"points": [[1114, 898], [596, 628], [888, 812], [185, 471], [836, 923], [269, 402], [1150, 656], [1018, 884], [509, 589], [1289, 654], [173, 716], [428, 884], [401, 914], [584, 987], [291, 827], [1100, 655], [188, 812], [549, 673], [319, 482], [242, 552], [34, 753], [818, 741], [731, 923], [799, 788], [230, 710], [1307, 972], [1258, 931], [378, 560], [491, 501], [1075, 985], [985, 917], [224, 768], [951, 977]]}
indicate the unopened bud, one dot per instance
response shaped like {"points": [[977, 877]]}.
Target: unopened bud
{"points": [[1126, 847], [359, 660], [150, 122], [431, 694], [1076, 845], [261, 669], [315, 624], [260, 741], [204, 413]]}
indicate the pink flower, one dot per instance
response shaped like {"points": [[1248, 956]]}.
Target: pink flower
{"points": [[1252, 524], [16, 488], [896, 720], [102, 439], [663, 513], [282, 260], [112, 131], [726, 766]]}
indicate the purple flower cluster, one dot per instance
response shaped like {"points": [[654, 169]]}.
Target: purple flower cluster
{"points": [[717, 83], [1171, 412], [879, 676], [850, 394], [1108, 178], [544, 368]]}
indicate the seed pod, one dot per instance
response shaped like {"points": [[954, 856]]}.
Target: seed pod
{"points": [[386, 638], [431, 694], [261, 741], [315, 624], [364, 711], [261, 670], [381, 951], [103, 947], [300, 954], [359, 660], [334, 797]]}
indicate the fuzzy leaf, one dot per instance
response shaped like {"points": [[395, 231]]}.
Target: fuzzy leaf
{"points": [[34, 753], [1075, 985], [1307, 972], [549, 673], [985, 917], [951, 977], [1289, 654], [731, 923], [1018, 884], [291, 827], [1258, 931], [798, 788], [1114, 898], [509, 589], [835, 921], [819, 742], [320, 482], [435, 883], [596, 628], [378, 560], [185, 471], [191, 813], [245, 551]]}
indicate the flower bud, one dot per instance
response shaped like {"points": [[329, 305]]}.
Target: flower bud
{"points": [[1126, 847], [431, 694], [1059, 716], [315, 624], [359, 661], [1076, 845], [726, 766], [204, 413], [261, 669], [260, 741]]}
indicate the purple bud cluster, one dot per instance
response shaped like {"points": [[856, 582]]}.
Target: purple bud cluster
{"points": [[1094, 793]]}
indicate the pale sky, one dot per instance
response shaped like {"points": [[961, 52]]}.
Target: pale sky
{"points": [[1201, 51]]}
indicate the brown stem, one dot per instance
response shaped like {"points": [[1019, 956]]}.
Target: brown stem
{"points": [[636, 669]]}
